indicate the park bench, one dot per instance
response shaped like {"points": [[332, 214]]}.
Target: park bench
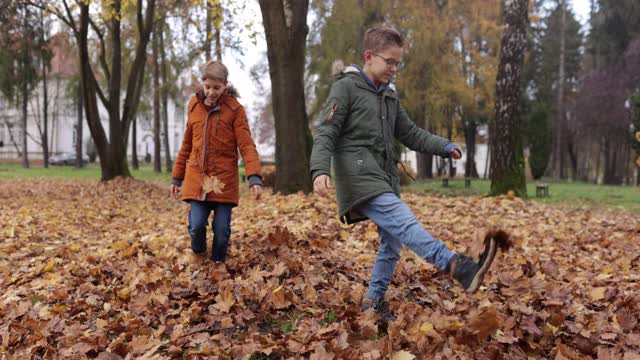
{"points": [[542, 190], [467, 182]]}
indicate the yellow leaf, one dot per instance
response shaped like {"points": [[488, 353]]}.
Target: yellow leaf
{"points": [[212, 183], [402, 355], [205, 350], [12, 232], [426, 327], [49, 266], [123, 293], [638, 135], [129, 251], [120, 244], [597, 293], [44, 313], [277, 289], [550, 328]]}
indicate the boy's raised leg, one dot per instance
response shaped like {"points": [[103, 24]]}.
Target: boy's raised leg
{"points": [[395, 217]]}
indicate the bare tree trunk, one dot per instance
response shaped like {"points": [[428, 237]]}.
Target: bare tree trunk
{"points": [[424, 162], [134, 145], [157, 165], [26, 62], [486, 162], [13, 139], [217, 22], [507, 159], [424, 166], [285, 24], [470, 169], [165, 99], [45, 103], [559, 144], [452, 170], [208, 31], [79, 163]]}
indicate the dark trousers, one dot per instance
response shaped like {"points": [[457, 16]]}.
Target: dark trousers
{"points": [[221, 225]]}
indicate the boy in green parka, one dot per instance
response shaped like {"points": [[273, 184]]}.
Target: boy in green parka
{"points": [[360, 120]]}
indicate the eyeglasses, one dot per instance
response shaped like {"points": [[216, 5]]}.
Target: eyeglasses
{"points": [[390, 62]]}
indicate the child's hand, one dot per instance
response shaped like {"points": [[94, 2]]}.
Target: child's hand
{"points": [[321, 185], [257, 190], [175, 190], [452, 150]]}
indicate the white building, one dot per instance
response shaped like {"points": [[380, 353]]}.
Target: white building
{"points": [[63, 116]]}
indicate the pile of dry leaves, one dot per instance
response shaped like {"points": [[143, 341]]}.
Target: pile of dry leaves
{"points": [[104, 270]]}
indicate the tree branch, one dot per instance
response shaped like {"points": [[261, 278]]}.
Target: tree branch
{"points": [[103, 59], [55, 12]]}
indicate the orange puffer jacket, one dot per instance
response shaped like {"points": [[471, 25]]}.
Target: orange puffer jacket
{"points": [[209, 151]]}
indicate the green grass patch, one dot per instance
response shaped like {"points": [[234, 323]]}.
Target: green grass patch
{"points": [[291, 325], [575, 194], [91, 171], [329, 318]]}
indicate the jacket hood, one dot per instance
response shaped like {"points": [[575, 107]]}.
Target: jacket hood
{"points": [[360, 78], [229, 92], [228, 97]]}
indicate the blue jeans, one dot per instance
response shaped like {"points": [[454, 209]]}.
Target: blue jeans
{"points": [[221, 224], [397, 225]]}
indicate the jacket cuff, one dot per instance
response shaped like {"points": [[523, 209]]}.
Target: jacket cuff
{"points": [[176, 182], [255, 180], [449, 148]]}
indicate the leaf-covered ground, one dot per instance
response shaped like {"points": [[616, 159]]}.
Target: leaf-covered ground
{"points": [[104, 270]]}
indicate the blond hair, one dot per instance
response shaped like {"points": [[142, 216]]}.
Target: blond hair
{"points": [[214, 70]]}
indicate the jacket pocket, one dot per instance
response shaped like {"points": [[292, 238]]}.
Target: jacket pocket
{"points": [[356, 162]]}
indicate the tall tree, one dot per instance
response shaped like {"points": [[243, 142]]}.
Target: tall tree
{"points": [[600, 106], [551, 78], [79, 137], [285, 25], [507, 158], [635, 133], [614, 26], [44, 57], [164, 94], [157, 165], [560, 140], [112, 149], [27, 75]]}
